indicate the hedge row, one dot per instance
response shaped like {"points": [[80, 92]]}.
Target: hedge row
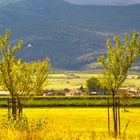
{"points": [[72, 101]]}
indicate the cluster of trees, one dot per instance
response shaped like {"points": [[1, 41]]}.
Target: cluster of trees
{"points": [[21, 79]]}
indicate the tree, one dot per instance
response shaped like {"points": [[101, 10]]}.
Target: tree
{"points": [[21, 79], [93, 85], [29, 80], [120, 58]]}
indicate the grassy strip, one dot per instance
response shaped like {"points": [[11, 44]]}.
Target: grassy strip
{"points": [[72, 101], [72, 97]]}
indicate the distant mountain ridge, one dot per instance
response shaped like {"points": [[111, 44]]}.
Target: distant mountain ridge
{"points": [[6, 2], [73, 36], [87, 2], [105, 2]]}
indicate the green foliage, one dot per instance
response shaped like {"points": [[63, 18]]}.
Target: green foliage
{"points": [[93, 85], [120, 58], [7, 62], [21, 79]]}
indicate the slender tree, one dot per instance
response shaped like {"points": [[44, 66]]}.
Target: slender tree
{"points": [[29, 80], [120, 58], [21, 79], [8, 59]]}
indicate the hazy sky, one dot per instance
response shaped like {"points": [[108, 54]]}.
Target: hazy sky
{"points": [[105, 2]]}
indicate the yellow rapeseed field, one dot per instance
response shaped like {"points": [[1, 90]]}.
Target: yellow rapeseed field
{"points": [[70, 124]]}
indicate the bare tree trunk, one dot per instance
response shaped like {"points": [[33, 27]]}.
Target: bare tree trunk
{"points": [[19, 108], [108, 116], [116, 123], [9, 112], [14, 108], [119, 118], [114, 115]]}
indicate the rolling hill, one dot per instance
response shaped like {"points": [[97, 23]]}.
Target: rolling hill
{"points": [[73, 36]]}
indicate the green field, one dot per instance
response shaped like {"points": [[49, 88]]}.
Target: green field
{"points": [[62, 80], [70, 122], [65, 80]]}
